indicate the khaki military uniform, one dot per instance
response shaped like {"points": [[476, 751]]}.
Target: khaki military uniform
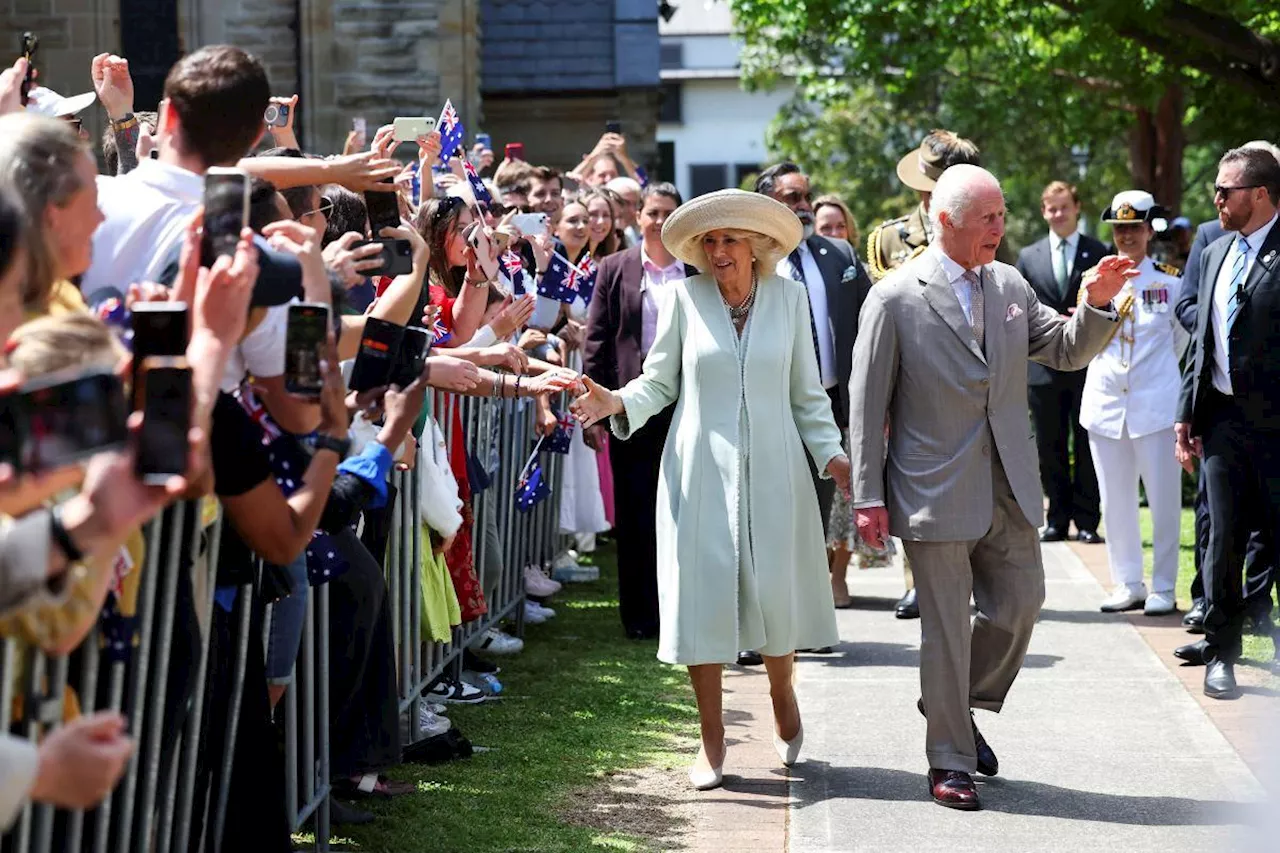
{"points": [[897, 241]]}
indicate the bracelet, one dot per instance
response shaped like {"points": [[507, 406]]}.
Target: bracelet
{"points": [[62, 538], [519, 376], [129, 120]]}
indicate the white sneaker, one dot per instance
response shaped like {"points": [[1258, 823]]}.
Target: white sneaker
{"points": [[547, 612], [536, 583], [1123, 598], [1160, 603], [495, 642], [566, 568], [533, 613], [432, 724]]}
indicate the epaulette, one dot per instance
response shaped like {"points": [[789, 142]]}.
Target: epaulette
{"points": [[877, 269], [1168, 269], [874, 267]]}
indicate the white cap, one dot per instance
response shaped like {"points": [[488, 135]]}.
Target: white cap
{"points": [[47, 102], [1133, 206]]}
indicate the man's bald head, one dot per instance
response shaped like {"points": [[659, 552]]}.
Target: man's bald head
{"points": [[967, 214]]}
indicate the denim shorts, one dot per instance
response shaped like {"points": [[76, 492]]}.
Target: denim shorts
{"points": [[287, 616]]}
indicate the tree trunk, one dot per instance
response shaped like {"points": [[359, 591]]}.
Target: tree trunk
{"points": [[1156, 143]]}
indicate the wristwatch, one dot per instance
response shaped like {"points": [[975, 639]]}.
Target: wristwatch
{"points": [[124, 123], [340, 446]]}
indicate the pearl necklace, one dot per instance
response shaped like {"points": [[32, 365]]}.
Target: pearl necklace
{"points": [[740, 311]]}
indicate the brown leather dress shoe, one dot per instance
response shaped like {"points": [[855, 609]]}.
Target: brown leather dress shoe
{"points": [[954, 789]]}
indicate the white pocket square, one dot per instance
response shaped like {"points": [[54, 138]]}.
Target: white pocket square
{"points": [[1013, 313]]}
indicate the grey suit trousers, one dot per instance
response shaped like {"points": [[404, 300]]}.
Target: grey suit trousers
{"points": [[965, 665]]}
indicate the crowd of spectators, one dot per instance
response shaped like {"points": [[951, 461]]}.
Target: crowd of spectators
{"points": [[500, 271]]}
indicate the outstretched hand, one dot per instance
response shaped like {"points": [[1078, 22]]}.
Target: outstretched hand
{"points": [[596, 404], [1104, 281]]}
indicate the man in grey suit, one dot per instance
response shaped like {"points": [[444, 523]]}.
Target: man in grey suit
{"points": [[942, 355]]}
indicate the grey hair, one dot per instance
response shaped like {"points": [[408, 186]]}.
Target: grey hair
{"points": [[954, 194], [38, 158], [764, 249], [1263, 145]]}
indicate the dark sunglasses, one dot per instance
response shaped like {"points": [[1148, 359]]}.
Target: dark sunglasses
{"points": [[1223, 192]]}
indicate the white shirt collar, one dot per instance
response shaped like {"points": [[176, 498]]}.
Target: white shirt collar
{"points": [[1071, 240], [1257, 238], [952, 269], [174, 181]]}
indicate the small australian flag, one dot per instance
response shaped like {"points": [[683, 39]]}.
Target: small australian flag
{"points": [[563, 281], [532, 488], [513, 267], [451, 131], [478, 189], [559, 441], [439, 334]]}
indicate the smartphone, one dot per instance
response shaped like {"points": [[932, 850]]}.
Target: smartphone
{"points": [[412, 356], [277, 115], [514, 151], [165, 386], [30, 41], [159, 329], [614, 126], [409, 128], [59, 419], [532, 224], [397, 256], [384, 209], [306, 331], [379, 348], [226, 211], [481, 240], [484, 139]]}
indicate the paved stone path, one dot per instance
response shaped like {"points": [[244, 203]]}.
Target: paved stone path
{"points": [[1101, 745]]}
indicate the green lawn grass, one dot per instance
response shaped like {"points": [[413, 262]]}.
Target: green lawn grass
{"points": [[1259, 650], [580, 703]]}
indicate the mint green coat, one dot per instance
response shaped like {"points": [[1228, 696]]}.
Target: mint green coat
{"points": [[741, 557]]}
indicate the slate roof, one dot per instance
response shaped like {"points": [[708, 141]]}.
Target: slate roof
{"points": [[574, 45]]}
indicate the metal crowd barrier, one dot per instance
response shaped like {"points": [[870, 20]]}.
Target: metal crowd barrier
{"points": [[155, 807], [533, 538]]}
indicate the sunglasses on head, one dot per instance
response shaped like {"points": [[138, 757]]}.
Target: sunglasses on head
{"points": [[447, 206]]}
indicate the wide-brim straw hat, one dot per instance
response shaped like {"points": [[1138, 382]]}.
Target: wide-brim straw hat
{"points": [[734, 210]]}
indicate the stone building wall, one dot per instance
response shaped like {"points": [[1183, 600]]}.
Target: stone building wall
{"points": [[344, 58]]}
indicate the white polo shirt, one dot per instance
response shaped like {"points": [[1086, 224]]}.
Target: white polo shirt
{"points": [[146, 212]]}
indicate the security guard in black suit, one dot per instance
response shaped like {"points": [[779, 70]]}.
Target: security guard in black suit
{"points": [[1229, 412], [1260, 554]]}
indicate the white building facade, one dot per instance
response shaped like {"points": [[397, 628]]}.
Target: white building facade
{"points": [[710, 132]]}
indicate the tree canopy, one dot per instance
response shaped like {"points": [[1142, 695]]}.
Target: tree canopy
{"points": [[1152, 90]]}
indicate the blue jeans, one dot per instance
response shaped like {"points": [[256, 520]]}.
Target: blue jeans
{"points": [[287, 616]]}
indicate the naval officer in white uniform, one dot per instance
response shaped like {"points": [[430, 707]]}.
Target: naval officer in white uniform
{"points": [[1129, 405]]}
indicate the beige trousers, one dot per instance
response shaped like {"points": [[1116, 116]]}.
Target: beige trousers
{"points": [[964, 665]]}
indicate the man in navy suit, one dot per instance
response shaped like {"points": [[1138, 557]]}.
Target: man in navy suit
{"points": [[1227, 412], [1054, 266], [1260, 555]]}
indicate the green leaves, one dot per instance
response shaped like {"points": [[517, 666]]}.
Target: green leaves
{"points": [[1025, 81]]}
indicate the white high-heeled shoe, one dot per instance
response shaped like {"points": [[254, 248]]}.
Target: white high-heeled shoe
{"points": [[789, 750], [705, 780]]}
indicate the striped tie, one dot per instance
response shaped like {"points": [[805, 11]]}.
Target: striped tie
{"points": [[1235, 290]]}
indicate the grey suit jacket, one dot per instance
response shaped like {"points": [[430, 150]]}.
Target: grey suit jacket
{"points": [[951, 406]]}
